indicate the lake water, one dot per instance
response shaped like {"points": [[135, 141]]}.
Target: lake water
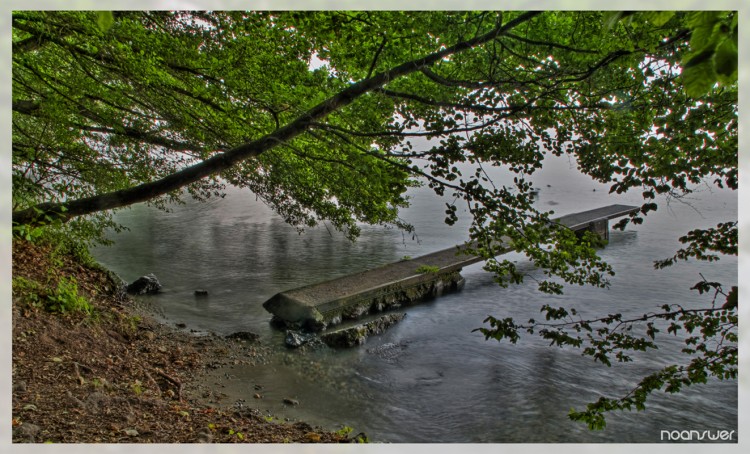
{"points": [[430, 378]]}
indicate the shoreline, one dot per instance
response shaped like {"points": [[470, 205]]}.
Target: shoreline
{"points": [[119, 375]]}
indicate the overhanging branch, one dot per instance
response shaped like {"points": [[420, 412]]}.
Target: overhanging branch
{"points": [[223, 161]]}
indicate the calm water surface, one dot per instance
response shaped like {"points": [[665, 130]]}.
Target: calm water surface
{"points": [[430, 378]]}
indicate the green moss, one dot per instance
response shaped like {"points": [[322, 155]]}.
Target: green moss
{"points": [[428, 269]]}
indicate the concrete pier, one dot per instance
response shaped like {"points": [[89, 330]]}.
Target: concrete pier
{"points": [[319, 306]]}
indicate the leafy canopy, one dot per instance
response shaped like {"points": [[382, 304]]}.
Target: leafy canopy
{"points": [[319, 114]]}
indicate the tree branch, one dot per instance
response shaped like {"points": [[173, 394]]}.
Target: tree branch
{"points": [[222, 161], [377, 54], [550, 44]]}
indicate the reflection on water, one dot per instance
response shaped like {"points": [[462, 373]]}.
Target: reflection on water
{"points": [[430, 378]]}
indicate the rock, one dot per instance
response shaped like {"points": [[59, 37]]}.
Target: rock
{"points": [[131, 432], [289, 401], [116, 336], [74, 401], [303, 426], [129, 417], [26, 432], [244, 335], [205, 436], [116, 284], [19, 387], [346, 338], [297, 339], [181, 325], [95, 402], [357, 335], [147, 284], [200, 292]]}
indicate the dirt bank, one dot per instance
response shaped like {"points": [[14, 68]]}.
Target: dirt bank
{"points": [[115, 375]]}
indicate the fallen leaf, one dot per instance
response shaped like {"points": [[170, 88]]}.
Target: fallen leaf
{"points": [[312, 436]]}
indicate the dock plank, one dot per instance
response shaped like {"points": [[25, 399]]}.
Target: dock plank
{"points": [[320, 305], [580, 220]]}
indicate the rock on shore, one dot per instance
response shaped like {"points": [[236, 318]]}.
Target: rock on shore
{"points": [[147, 284]]}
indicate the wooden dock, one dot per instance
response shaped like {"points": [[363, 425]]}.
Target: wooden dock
{"points": [[319, 306]]}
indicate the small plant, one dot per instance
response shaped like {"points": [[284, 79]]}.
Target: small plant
{"points": [[66, 299], [32, 234], [130, 323], [362, 439], [63, 299], [428, 269], [240, 435], [406, 257], [137, 387], [31, 290], [344, 431], [25, 232]]}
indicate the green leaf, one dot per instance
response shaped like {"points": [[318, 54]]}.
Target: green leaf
{"points": [[725, 61], [105, 20], [704, 23], [611, 18], [702, 18], [731, 299], [698, 75], [658, 18]]}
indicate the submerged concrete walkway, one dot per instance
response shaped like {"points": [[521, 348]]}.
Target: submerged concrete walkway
{"points": [[318, 306]]}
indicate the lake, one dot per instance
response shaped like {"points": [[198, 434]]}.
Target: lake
{"points": [[430, 378]]}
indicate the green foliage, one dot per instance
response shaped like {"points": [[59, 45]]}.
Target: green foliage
{"points": [[221, 79], [26, 232], [131, 323], [722, 239], [710, 339], [330, 109], [31, 291], [713, 55], [63, 298], [105, 20], [34, 232], [428, 269], [361, 439], [345, 431], [137, 387]]}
